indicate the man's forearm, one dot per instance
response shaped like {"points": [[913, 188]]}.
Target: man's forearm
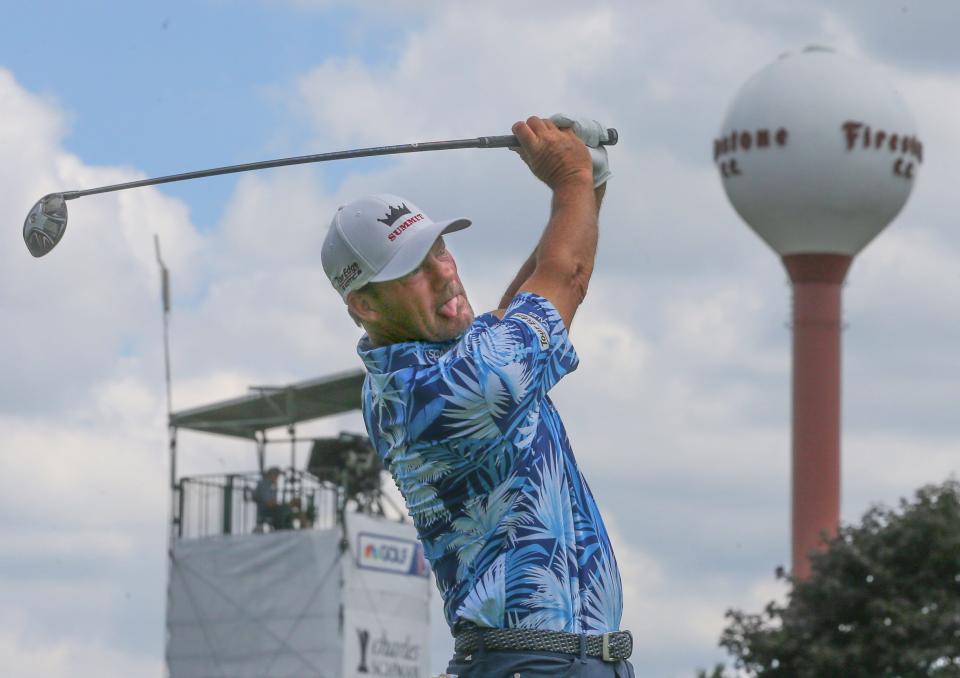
{"points": [[531, 263], [569, 241]]}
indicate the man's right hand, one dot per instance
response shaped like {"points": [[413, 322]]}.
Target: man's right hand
{"points": [[555, 156]]}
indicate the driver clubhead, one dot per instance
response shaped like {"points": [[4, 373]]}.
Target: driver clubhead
{"points": [[45, 224]]}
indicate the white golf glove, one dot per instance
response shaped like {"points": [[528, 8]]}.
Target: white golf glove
{"points": [[591, 133]]}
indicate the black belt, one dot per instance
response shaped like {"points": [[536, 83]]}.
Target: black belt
{"points": [[610, 647]]}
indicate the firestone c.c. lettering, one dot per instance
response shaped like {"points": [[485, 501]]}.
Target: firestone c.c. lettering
{"points": [[859, 135], [744, 140]]}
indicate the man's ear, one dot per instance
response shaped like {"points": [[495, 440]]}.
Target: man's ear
{"points": [[360, 307]]}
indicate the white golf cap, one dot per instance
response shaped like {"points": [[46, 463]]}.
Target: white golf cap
{"points": [[376, 238]]}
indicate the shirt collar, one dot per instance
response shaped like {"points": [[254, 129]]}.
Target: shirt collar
{"points": [[394, 357]]}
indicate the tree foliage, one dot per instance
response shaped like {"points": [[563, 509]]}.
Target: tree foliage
{"points": [[883, 600]]}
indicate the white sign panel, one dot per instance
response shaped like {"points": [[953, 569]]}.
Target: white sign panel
{"points": [[386, 597], [390, 554]]}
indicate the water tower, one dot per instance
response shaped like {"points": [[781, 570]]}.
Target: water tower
{"points": [[818, 153]]}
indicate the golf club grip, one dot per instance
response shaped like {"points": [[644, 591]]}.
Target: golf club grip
{"points": [[510, 141]]}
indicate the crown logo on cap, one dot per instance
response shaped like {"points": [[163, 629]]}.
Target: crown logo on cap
{"points": [[394, 214]]}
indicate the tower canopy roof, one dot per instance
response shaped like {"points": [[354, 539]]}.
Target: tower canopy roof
{"points": [[273, 406]]}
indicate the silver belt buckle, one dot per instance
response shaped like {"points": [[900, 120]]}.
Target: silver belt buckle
{"points": [[605, 654]]}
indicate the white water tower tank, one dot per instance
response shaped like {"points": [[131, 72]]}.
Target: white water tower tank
{"points": [[818, 153]]}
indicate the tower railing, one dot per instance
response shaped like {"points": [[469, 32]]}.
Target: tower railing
{"points": [[227, 504]]}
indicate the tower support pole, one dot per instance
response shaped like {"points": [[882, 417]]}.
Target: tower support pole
{"points": [[817, 324]]}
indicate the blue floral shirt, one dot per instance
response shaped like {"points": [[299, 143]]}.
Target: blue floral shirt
{"points": [[481, 457]]}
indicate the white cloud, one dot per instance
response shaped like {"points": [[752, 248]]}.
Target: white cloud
{"points": [[881, 468], [25, 659], [469, 72], [81, 489], [671, 613]]}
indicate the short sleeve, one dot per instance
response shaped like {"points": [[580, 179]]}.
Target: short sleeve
{"points": [[544, 347]]}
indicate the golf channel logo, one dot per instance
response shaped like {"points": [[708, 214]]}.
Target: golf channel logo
{"points": [[389, 554]]}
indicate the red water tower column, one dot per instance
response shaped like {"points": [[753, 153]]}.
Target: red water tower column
{"points": [[817, 322], [817, 153]]}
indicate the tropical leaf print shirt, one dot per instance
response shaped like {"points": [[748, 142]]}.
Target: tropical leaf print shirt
{"points": [[481, 457]]}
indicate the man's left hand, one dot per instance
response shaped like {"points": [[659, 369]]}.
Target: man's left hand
{"points": [[590, 133]]}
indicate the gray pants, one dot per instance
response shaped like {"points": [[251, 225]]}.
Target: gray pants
{"points": [[521, 664]]}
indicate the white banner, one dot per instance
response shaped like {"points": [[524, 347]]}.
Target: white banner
{"points": [[386, 594], [291, 603], [255, 606]]}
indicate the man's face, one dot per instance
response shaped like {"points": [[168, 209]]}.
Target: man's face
{"points": [[427, 304]]}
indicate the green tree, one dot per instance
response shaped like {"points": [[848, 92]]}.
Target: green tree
{"points": [[882, 601]]}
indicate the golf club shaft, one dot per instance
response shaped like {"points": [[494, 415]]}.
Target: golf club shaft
{"points": [[505, 141]]}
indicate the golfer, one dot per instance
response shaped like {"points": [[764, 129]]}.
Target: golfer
{"points": [[457, 406]]}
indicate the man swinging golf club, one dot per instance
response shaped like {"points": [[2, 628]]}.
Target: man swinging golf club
{"points": [[457, 407]]}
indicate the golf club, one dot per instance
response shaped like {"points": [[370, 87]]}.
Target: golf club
{"points": [[45, 224]]}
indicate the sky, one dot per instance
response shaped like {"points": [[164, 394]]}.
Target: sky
{"points": [[679, 411]]}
